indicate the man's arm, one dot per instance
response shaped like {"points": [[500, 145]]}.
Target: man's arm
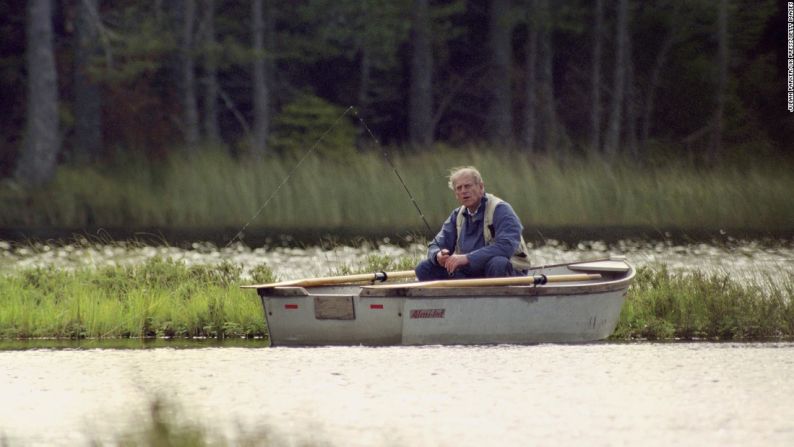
{"points": [[506, 238], [444, 240]]}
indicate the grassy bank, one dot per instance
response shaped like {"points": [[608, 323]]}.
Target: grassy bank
{"points": [[163, 298], [158, 298], [213, 190], [664, 305]]}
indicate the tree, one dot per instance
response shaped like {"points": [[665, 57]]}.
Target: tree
{"points": [[500, 104], [529, 128], [457, 74], [210, 78], [676, 24], [631, 114], [549, 125], [612, 141], [347, 51], [715, 148], [595, 79], [364, 51], [41, 144], [188, 66], [271, 72], [87, 94], [420, 118], [261, 90]]}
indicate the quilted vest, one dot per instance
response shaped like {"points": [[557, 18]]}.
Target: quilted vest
{"points": [[520, 258]]}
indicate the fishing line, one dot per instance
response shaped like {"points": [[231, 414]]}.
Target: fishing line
{"points": [[394, 168], [289, 175]]}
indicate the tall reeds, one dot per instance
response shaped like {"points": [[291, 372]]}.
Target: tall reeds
{"points": [[213, 190], [696, 305], [157, 298]]}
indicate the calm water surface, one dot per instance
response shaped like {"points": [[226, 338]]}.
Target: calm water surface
{"points": [[598, 394]]}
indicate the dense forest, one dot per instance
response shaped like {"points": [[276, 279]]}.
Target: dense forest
{"points": [[85, 80]]}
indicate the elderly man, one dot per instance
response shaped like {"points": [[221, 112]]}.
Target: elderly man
{"points": [[482, 238]]}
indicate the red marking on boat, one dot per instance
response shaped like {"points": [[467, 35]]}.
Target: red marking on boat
{"points": [[290, 306], [376, 306], [427, 313]]}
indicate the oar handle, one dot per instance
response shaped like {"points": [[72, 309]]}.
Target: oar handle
{"points": [[337, 280]]}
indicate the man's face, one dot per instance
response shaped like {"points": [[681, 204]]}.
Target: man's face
{"points": [[468, 191]]}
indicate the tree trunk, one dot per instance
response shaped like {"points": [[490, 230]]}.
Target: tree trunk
{"points": [[500, 127], [41, 145], [631, 108], [87, 96], [189, 106], [210, 81], [595, 85], [631, 115], [365, 70], [612, 142], [549, 128], [261, 92], [653, 84], [420, 118], [715, 148], [270, 55], [530, 86]]}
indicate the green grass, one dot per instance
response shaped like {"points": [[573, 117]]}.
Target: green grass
{"points": [[158, 298], [664, 305], [213, 190], [164, 298]]}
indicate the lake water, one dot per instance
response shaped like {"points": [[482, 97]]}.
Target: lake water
{"points": [[736, 257], [711, 394]]}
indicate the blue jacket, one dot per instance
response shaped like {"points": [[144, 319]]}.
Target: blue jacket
{"points": [[506, 238]]}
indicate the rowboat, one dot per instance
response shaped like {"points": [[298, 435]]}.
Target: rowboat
{"points": [[562, 303]]}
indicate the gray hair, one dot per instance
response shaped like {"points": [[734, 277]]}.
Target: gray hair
{"points": [[460, 171]]}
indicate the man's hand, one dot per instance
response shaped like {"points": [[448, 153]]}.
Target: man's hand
{"points": [[455, 262], [442, 256]]}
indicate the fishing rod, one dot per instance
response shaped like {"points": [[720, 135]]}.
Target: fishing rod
{"points": [[394, 168], [289, 175], [311, 149]]}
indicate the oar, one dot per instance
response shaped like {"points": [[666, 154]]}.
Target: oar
{"points": [[483, 282], [334, 280]]}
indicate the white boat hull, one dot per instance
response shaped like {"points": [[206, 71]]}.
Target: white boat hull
{"points": [[580, 311]]}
